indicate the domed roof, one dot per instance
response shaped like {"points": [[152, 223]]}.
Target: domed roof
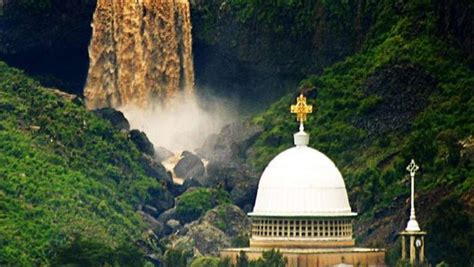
{"points": [[301, 181]]}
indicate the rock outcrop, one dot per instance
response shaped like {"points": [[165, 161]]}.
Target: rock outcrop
{"points": [[213, 231], [142, 142], [189, 166], [115, 117], [227, 167], [399, 92]]}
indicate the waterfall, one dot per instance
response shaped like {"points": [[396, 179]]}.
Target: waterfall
{"points": [[140, 53]]}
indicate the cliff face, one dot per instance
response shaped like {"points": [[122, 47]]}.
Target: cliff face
{"points": [[260, 50], [48, 39], [254, 50]]}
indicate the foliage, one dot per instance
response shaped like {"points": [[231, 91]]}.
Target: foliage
{"points": [[226, 262], [240, 241], [64, 173], [242, 260], [270, 258], [192, 204], [90, 253], [451, 222], [175, 258], [374, 165], [205, 262]]}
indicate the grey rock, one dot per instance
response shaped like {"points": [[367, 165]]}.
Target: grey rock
{"points": [[162, 153], [175, 227], [151, 210], [155, 169], [239, 179], [189, 166], [153, 224], [230, 219], [115, 117], [161, 199], [142, 142], [231, 144], [202, 238], [168, 215], [244, 193]]}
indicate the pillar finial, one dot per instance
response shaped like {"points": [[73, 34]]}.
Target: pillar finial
{"points": [[412, 224]]}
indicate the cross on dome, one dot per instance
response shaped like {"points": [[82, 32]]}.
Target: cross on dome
{"points": [[301, 109]]}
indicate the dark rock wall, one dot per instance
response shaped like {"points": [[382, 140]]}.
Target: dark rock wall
{"points": [[254, 53], [261, 51], [48, 39]]}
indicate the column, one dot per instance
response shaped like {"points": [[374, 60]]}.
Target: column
{"points": [[404, 251], [422, 250], [412, 250]]}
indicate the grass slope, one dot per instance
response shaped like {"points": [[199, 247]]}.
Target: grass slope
{"points": [[374, 164], [65, 177]]}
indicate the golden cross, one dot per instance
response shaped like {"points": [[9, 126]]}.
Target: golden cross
{"points": [[301, 109]]}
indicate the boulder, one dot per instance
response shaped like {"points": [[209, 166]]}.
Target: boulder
{"points": [[162, 154], [168, 215], [202, 238], [161, 199], [189, 184], [230, 219], [213, 231], [142, 142], [174, 225], [151, 210], [231, 144], [239, 179], [155, 169], [244, 194], [189, 166], [153, 224], [115, 117]]}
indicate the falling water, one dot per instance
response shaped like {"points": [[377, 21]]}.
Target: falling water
{"points": [[140, 53]]}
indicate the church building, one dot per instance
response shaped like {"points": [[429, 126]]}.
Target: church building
{"points": [[302, 209]]}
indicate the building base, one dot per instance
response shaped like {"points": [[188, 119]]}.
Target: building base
{"points": [[316, 257]]}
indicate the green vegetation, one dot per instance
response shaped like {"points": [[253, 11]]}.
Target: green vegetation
{"points": [[192, 204], [87, 253], [175, 258], [270, 258], [374, 164], [205, 262], [450, 221], [68, 181]]}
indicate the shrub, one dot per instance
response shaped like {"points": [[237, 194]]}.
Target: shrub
{"points": [[192, 204], [205, 262]]}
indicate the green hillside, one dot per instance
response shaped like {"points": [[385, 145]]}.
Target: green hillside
{"points": [[407, 94], [69, 182]]}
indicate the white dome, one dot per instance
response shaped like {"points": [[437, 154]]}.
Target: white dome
{"points": [[301, 181]]}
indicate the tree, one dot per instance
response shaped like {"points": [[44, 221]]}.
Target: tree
{"points": [[242, 260], [445, 239], [272, 258], [175, 258]]}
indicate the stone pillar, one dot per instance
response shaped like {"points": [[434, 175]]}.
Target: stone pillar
{"points": [[412, 250], [422, 250], [416, 254], [404, 252]]}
